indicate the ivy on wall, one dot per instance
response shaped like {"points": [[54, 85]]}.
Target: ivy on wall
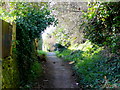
{"points": [[31, 19], [30, 23]]}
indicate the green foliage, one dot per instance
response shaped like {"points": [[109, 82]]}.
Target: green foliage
{"points": [[62, 36], [31, 19], [59, 47], [36, 72], [64, 54], [10, 73], [40, 52], [36, 69], [102, 24], [41, 55], [92, 68]]}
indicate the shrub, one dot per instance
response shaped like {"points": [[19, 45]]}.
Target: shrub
{"points": [[102, 25], [59, 47], [32, 19], [40, 52], [41, 55], [93, 69], [36, 71]]}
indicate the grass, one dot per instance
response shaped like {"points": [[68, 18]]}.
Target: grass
{"points": [[40, 52], [41, 55], [36, 72]]}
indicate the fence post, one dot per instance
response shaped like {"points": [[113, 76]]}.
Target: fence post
{"points": [[6, 39], [0, 54], [0, 38]]}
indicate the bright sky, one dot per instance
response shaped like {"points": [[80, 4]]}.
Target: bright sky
{"points": [[48, 30]]}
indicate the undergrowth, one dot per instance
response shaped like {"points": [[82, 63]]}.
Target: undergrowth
{"points": [[36, 72], [10, 73], [92, 68], [41, 55], [40, 52]]}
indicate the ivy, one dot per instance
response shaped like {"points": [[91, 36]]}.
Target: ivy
{"points": [[102, 24], [31, 20]]}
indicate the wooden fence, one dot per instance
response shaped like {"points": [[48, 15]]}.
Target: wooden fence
{"points": [[7, 32], [0, 54]]}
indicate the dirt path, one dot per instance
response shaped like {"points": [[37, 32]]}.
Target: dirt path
{"points": [[58, 74]]}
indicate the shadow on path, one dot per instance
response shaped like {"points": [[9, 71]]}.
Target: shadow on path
{"points": [[58, 74]]}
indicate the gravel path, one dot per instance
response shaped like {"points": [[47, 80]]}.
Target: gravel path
{"points": [[58, 74]]}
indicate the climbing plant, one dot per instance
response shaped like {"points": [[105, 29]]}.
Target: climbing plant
{"points": [[31, 19], [102, 24]]}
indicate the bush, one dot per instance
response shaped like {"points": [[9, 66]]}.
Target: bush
{"points": [[36, 72], [40, 52], [59, 47], [31, 20], [41, 55], [102, 25]]}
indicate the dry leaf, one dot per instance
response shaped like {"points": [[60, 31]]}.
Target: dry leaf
{"points": [[71, 62]]}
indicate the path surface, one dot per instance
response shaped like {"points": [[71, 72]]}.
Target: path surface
{"points": [[58, 74]]}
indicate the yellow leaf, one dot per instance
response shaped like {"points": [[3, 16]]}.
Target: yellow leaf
{"points": [[71, 62]]}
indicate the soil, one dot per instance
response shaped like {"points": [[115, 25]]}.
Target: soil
{"points": [[57, 74]]}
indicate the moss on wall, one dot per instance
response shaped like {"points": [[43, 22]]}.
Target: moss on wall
{"points": [[10, 74], [40, 44], [0, 74]]}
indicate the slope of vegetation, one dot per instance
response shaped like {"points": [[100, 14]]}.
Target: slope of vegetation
{"points": [[96, 60], [92, 68]]}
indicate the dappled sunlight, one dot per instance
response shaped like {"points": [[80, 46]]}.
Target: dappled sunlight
{"points": [[89, 65], [82, 47], [60, 45]]}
